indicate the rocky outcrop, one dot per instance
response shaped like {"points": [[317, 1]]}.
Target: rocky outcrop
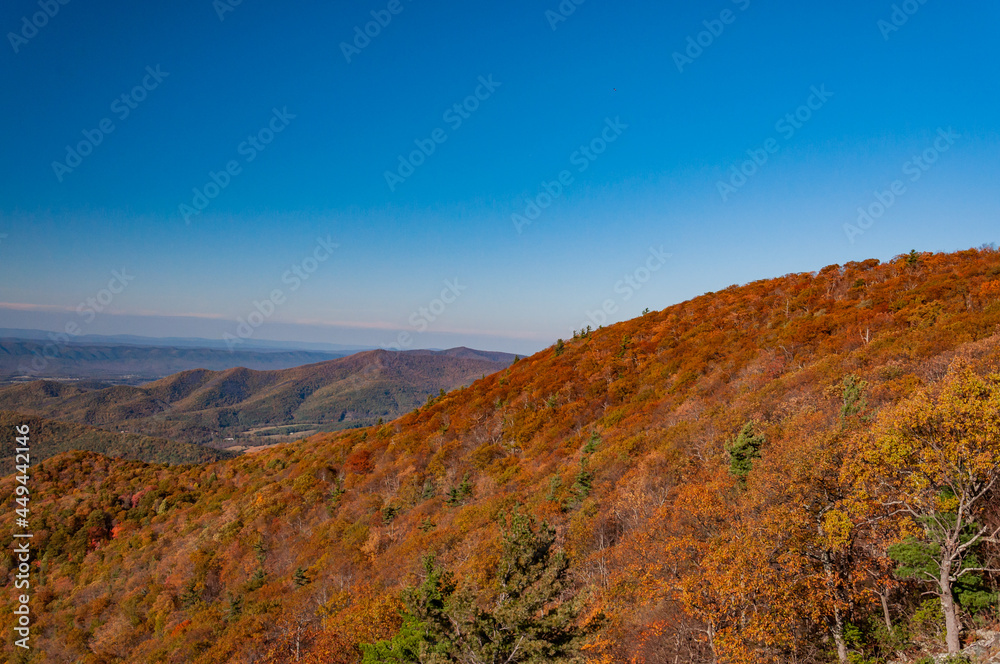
{"points": [[986, 650]]}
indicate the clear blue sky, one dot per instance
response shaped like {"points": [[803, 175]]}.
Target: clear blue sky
{"points": [[554, 89]]}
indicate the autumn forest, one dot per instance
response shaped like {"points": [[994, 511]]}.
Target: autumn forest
{"points": [[802, 469]]}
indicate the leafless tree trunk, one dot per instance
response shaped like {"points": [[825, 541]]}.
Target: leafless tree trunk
{"points": [[952, 624], [884, 598]]}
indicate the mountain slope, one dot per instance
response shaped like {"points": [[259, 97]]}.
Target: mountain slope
{"points": [[200, 406], [53, 438], [621, 439]]}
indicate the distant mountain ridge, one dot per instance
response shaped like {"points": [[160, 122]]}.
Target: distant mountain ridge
{"points": [[204, 406], [23, 359], [188, 342]]}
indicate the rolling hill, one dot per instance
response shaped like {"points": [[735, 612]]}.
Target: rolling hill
{"points": [[52, 438], [709, 472], [202, 406]]}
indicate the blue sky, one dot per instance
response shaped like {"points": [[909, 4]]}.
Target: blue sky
{"points": [[309, 137]]}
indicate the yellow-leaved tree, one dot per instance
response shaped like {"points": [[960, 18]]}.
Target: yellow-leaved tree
{"points": [[931, 466]]}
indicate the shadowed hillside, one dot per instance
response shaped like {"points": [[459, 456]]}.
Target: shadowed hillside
{"points": [[52, 438], [713, 473], [202, 406]]}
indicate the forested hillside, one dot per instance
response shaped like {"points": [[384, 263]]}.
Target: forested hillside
{"points": [[52, 438], [801, 469]]}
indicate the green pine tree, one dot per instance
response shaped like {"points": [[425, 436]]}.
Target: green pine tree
{"points": [[853, 394], [525, 617], [742, 451], [235, 608], [458, 494], [404, 648], [300, 578]]}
